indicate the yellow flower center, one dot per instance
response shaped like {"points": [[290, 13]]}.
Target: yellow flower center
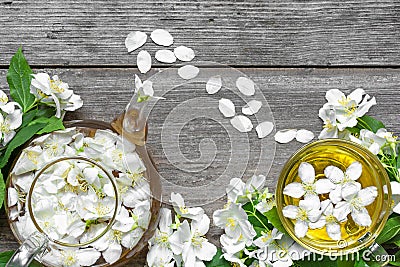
{"points": [[330, 219], [56, 86], [69, 257], [4, 99], [230, 222], [197, 240], [302, 214]]}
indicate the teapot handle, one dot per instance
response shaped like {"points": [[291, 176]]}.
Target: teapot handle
{"points": [[35, 244]]}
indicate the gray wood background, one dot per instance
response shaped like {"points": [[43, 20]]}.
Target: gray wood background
{"points": [[294, 50]]}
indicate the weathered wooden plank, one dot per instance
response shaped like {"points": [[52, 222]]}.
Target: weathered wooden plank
{"points": [[246, 33], [294, 95]]}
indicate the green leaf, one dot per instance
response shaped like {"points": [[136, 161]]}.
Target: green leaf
{"points": [[361, 263], [46, 112], [20, 138], [390, 230], [396, 262], [19, 80], [273, 218], [218, 260], [369, 123], [5, 257], [2, 190], [28, 117], [316, 259], [255, 217], [53, 124]]}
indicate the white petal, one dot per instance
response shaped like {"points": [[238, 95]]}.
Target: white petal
{"points": [[177, 200], [306, 172], [294, 190], [334, 174], [285, 136], [357, 95], [323, 186], [202, 225], [242, 123], [214, 84], [300, 228], [148, 88], [350, 190], [354, 170], [112, 253], [304, 136], [318, 224], [162, 37], [165, 56], [12, 196], [336, 194], [361, 217], [374, 148], [395, 186], [245, 86], [264, 128], [87, 256], [368, 195], [333, 230], [143, 61], [334, 96], [184, 53], [188, 72], [178, 238], [396, 209], [3, 98], [206, 252], [252, 107], [341, 210], [134, 40], [290, 211], [309, 204], [226, 107]]}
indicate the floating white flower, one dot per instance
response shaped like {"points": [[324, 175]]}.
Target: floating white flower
{"points": [[191, 243], [309, 187], [234, 220], [54, 92], [354, 203], [307, 212], [329, 220], [180, 208], [348, 108], [160, 249], [344, 181]]}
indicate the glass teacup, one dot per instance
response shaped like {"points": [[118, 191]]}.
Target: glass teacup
{"points": [[340, 154]]}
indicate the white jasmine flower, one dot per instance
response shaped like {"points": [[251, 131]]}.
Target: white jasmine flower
{"points": [[130, 196], [144, 90], [344, 181], [395, 187], [29, 160], [307, 212], [238, 191], [349, 108], [235, 259], [180, 208], [233, 219], [329, 220], [309, 188], [191, 243], [233, 245], [267, 238], [73, 257], [371, 141], [9, 122], [267, 202], [328, 115], [354, 203], [54, 92], [160, 249], [284, 251], [90, 208]]}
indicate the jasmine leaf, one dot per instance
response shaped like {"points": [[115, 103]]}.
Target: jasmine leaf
{"points": [[5, 257], [19, 80], [369, 123], [390, 230], [273, 218], [20, 138], [316, 259], [218, 260], [397, 259], [2, 193], [28, 117], [361, 263], [53, 124]]}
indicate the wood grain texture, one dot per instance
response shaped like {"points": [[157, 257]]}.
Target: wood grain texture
{"points": [[245, 33], [294, 95]]}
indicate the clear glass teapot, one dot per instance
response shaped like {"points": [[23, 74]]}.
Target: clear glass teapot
{"points": [[83, 197]]}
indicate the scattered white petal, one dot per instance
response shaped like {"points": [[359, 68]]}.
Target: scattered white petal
{"points": [[304, 136], [165, 56], [162, 37], [264, 129], [144, 61], [188, 72], [285, 136], [134, 40], [252, 107], [242, 123], [214, 84], [245, 86], [184, 53], [226, 107]]}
